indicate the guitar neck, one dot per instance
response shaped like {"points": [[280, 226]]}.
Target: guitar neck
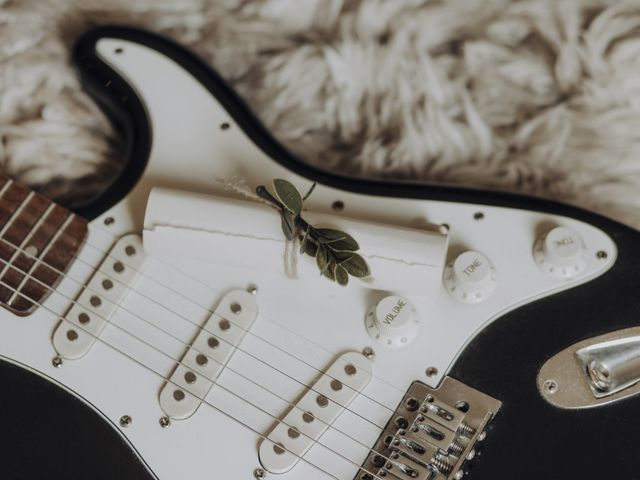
{"points": [[38, 243]]}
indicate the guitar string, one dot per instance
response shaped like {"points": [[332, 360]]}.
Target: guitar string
{"points": [[201, 328], [107, 254], [210, 288], [180, 362], [189, 345], [206, 309], [81, 284], [202, 400], [224, 366]]}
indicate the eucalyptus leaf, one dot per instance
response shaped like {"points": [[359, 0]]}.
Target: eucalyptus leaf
{"points": [[310, 248], [288, 224], [356, 266], [341, 255], [328, 235], [303, 240], [347, 244], [333, 249], [330, 272], [288, 195], [342, 277], [322, 258]]}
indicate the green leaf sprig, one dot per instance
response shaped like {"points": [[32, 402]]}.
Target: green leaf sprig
{"points": [[334, 250]]}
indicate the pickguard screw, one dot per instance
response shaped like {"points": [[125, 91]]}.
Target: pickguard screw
{"points": [[369, 353], [431, 372], [109, 221], [125, 421], [56, 362], [165, 422], [259, 474], [478, 216], [602, 254], [252, 289]]}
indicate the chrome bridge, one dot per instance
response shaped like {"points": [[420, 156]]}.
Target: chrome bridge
{"points": [[432, 434]]}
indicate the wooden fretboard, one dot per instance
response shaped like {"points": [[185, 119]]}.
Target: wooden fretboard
{"points": [[38, 242]]}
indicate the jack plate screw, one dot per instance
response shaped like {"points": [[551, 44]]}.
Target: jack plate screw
{"points": [[125, 421], [165, 422], [259, 474]]}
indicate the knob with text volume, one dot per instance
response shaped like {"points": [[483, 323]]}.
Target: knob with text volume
{"points": [[470, 278], [392, 322], [560, 253]]}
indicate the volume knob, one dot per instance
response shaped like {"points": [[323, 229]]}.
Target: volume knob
{"points": [[392, 322], [560, 253]]}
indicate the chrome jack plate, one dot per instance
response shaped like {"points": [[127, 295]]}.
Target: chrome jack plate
{"points": [[593, 372], [432, 434]]}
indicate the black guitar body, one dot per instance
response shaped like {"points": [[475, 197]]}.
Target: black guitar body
{"points": [[46, 433]]}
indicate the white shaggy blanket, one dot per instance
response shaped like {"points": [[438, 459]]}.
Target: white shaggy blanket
{"points": [[535, 96]]}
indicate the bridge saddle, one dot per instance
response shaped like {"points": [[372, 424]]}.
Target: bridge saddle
{"points": [[432, 435]]}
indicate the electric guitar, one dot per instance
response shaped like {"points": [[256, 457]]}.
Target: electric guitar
{"points": [[522, 361]]}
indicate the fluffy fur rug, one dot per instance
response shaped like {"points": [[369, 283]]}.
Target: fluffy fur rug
{"points": [[535, 96]]}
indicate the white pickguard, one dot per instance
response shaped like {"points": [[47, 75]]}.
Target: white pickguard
{"points": [[190, 152]]}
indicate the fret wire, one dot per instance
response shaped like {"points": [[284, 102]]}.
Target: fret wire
{"points": [[38, 258], [15, 213], [20, 247], [5, 187]]}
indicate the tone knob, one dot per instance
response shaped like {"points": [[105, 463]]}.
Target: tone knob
{"points": [[470, 278], [560, 253], [392, 322]]}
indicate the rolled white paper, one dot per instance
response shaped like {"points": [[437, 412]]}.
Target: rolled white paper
{"points": [[248, 235]]}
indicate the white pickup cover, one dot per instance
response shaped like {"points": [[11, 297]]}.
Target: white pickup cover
{"points": [[207, 356], [320, 406], [99, 299]]}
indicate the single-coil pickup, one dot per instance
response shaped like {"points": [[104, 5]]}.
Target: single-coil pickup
{"points": [[305, 422], [92, 309], [204, 360]]}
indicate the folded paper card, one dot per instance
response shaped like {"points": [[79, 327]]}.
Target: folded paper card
{"points": [[248, 235]]}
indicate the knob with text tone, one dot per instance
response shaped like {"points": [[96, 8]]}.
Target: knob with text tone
{"points": [[392, 322], [470, 278], [560, 253]]}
